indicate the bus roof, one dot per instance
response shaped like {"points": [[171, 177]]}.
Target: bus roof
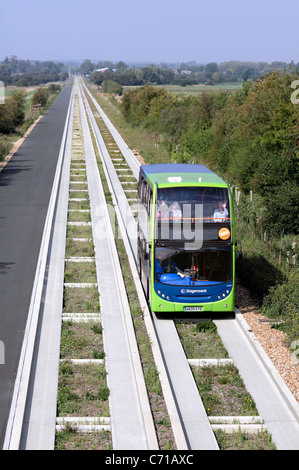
{"points": [[169, 174]]}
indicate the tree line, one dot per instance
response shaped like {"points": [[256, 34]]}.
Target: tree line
{"points": [[249, 137], [18, 72], [179, 74]]}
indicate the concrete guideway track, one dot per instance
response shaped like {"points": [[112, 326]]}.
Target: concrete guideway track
{"points": [[131, 420], [25, 189]]}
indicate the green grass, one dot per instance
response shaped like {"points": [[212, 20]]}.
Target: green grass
{"points": [[81, 341], [201, 340], [81, 300], [223, 391], [82, 390], [244, 441], [70, 439]]}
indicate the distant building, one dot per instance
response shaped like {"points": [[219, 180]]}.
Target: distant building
{"points": [[101, 70]]}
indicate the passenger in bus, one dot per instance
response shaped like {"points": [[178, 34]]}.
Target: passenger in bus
{"points": [[176, 212], [163, 211], [221, 213]]}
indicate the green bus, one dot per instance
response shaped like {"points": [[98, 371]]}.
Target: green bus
{"points": [[186, 240]]}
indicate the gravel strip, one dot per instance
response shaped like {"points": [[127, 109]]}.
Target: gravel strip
{"points": [[272, 340]]}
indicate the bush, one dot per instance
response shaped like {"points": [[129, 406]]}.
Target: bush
{"points": [[7, 125], [282, 215], [258, 275], [283, 298], [109, 86], [16, 103], [283, 301], [205, 325], [41, 97], [12, 113], [5, 146]]}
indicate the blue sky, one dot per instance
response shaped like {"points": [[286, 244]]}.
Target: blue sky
{"points": [[150, 30]]}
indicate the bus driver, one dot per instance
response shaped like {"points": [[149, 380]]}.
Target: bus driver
{"points": [[221, 213]]}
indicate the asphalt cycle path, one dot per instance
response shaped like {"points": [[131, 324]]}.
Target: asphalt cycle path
{"points": [[25, 189]]}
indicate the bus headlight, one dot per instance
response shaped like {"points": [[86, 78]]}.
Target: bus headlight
{"points": [[222, 295], [164, 295]]}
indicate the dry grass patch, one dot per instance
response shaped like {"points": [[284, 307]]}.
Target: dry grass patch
{"points": [[223, 392], [71, 439], [78, 231], [80, 272], [201, 340], [81, 341], [81, 300], [79, 216], [82, 390], [79, 249]]}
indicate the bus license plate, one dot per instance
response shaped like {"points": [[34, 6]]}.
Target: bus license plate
{"points": [[193, 309]]}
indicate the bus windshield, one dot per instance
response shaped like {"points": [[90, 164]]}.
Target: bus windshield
{"points": [[174, 202], [177, 266]]}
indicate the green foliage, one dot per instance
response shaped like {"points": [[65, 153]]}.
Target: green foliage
{"points": [[5, 146], [282, 208], [16, 105], [258, 274], [205, 326], [41, 97], [284, 297], [109, 86], [145, 106], [249, 137], [17, 72], [283, 302], [12, 113]]}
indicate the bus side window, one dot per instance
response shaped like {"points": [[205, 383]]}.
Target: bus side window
{"points": [[148, 199], [142, 189], [140, 186]]}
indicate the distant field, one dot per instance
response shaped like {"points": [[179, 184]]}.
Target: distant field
{"points": [[197, 89]]}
